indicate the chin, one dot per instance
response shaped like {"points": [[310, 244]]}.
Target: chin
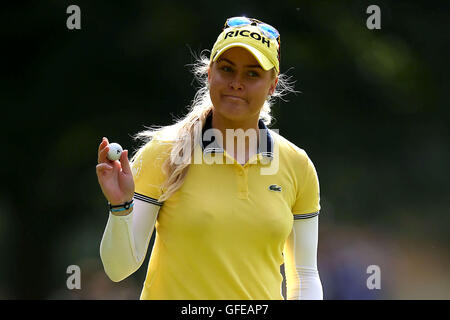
{"points": [[233, 112]]}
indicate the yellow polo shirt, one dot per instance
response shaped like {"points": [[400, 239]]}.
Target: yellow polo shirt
{"points": [[221, 235]]}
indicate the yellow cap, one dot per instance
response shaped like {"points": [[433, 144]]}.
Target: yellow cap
{"points": [[264, 49]]}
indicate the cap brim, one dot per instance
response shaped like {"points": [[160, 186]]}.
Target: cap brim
{"points": [[263, 61]]}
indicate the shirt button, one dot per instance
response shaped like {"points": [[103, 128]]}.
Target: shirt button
{"points": [[240, 173]]}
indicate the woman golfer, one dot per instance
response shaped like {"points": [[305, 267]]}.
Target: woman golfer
{"points": [[230, 199]]}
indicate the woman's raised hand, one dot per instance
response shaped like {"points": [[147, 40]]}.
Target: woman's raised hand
{"points": [[115, 177]]}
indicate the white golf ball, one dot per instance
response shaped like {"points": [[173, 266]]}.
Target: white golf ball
{"points": [[115, 151]]}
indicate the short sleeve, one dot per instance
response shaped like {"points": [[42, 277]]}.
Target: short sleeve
{"points": [[307, 203], [147, 168]]}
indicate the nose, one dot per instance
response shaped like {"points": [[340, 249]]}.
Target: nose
{"points": [[236, 84]]}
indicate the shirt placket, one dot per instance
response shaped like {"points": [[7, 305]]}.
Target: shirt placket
{"points": [[242, 181]]}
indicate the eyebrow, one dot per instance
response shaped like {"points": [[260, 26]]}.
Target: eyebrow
{"points": [[233, 64]]}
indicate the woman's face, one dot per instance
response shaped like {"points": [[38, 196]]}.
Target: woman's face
{"points": [[239, 86]]}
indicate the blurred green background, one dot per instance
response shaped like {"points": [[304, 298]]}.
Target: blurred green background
{"points": [[373, 115]]}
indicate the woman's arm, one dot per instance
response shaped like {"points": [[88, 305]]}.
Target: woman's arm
{"points": [[300, 261], [125, 240]]}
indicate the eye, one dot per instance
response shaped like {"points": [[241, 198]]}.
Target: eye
{"points": [[253, 74], [226, 68]]}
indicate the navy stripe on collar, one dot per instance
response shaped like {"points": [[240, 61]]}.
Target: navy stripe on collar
{"points": [[212, 146]]}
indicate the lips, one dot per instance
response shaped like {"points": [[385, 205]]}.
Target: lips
{"points": [[232, 97]]}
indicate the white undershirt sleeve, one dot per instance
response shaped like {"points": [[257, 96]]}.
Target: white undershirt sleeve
{"points": [[300, 261], [125, 240]]}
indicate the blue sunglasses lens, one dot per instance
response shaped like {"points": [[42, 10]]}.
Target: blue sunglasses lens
{"points": [[269, 31], [238, 21]]}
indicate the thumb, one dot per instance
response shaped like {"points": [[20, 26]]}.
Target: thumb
{"points": [[125, 163]]}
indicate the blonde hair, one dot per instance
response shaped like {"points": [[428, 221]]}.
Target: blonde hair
{"points": [[186, 132]]}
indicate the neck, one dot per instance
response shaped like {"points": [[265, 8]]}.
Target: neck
{"points": [[234, 145]]}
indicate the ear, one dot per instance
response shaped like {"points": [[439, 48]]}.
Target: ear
{"points": [[209, 73], [273, 86]]}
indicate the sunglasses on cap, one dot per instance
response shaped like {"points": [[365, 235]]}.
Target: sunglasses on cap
{"points": [[265, 28]]}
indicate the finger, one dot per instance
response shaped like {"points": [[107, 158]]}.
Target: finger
{"points": [[117, 167], [103, 167], [125, 162], [102, 144], [103, 155]]}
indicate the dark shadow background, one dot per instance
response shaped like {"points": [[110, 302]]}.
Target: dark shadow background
{"points": [[373, 115]]}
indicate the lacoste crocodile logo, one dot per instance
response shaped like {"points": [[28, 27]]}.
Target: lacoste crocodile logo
{"points": [[274, 187]]}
